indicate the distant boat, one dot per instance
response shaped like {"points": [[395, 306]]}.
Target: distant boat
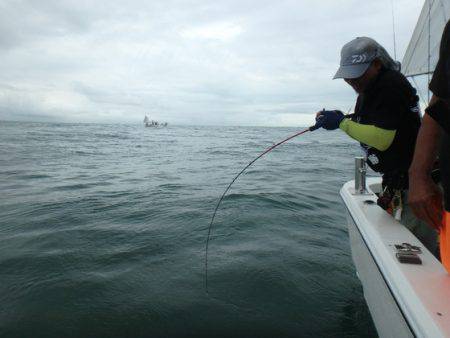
{"points": [[152, 123]]}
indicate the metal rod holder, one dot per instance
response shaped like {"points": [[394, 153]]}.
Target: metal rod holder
{"points": [[360, 175]]}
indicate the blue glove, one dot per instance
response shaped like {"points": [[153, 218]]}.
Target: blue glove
{"points": [[329, 119]]}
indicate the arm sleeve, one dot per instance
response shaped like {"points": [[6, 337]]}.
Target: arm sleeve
{"points": [[440, 84], [371, 135], [440, 113]]}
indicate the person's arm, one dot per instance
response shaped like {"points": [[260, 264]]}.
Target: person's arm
{"points": [[424, 196], [371, 135]]}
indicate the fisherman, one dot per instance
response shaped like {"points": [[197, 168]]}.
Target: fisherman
{"points": [[425, 196], [386, 121]]}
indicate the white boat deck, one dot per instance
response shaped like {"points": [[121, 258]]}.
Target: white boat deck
{"points": [[421, 292]]}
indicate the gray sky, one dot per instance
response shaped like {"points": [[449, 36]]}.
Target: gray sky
{"points": [[231, 62]]}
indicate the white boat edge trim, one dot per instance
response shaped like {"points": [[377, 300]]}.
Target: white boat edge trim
{"points": [[421, 291]]}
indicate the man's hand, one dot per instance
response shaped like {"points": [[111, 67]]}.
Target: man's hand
{"points": [[329, 119], [425, 200], [424, 196]]}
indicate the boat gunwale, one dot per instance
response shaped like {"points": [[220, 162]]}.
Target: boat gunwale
{"points": [[398, 277]]}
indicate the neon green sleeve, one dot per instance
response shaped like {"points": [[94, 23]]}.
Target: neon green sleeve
{"points": [[371, 135]]}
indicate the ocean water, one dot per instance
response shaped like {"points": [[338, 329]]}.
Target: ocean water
{"points": [[103, 230]]}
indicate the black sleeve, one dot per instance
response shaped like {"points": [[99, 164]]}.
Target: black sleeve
{"points": [[440, 83], [440, 112]]}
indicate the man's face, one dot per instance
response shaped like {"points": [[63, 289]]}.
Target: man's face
{"points": [[361, 83]]}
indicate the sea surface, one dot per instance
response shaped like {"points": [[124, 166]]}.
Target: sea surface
{"points": [[103, 230]]}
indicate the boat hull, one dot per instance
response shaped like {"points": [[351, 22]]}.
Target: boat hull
{"points": [[386, 314], [404, 299]]}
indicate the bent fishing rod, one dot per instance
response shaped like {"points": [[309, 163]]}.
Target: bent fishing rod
{"points": [[318, 124]]}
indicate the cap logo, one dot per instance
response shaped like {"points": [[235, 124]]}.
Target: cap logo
{"points": [[359, 58]]}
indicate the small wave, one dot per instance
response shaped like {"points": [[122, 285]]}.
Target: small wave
{"points": [[11, 172], [171, 186], [87, 153], [14, 186], [226, 152], [79, 186], [118, 136], [32, 176]]}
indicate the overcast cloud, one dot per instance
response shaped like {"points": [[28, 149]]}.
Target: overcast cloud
{"points": [[185, 62]]}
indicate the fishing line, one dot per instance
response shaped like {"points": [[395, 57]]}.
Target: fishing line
{"points": [[318, 125]]}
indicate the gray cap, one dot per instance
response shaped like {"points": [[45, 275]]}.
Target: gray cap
{"points": [[356, 57]]}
